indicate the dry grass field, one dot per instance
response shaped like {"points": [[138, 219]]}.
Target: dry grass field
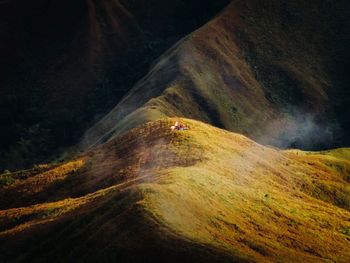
{"points": [[159, 195]]}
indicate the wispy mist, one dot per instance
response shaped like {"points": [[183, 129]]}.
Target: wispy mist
{"points": [[302, 130]]}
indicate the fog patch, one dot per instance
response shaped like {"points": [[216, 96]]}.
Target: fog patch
{"points": [[300, 130]]}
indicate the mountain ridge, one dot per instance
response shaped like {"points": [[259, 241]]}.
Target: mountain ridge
{"points": [[236, 208], [242, 77], [66, 65], [258, 87]]}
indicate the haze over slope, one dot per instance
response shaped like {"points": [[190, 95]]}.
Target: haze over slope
{"points": [[203, 195], [273, 71], [66, 63], [139, 192]]}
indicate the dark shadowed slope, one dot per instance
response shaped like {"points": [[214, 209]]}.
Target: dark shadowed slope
{"points": [[143, 193], [203, 195], [64, 64], [266, 70]]}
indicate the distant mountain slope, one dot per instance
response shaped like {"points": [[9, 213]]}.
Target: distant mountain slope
{"points": [[64, 64], [273, 71], [203, 195]]}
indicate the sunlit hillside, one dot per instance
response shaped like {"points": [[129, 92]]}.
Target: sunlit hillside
{"points": [[201, 195], [271, 71], [174, 131]]}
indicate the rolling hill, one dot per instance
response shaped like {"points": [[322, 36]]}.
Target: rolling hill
{"points": [[272, 71], [203, 195], [261, 85], [65, 65], [256, 69]]}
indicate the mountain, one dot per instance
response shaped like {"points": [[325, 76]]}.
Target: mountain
{"points": [[204, 195], [65, 65], [261, 87], [272, 71]]}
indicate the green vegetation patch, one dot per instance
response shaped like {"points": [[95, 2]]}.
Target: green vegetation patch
{"points": [[6, 179]]}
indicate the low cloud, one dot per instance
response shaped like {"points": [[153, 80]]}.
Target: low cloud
{"points": [[300, 130]]}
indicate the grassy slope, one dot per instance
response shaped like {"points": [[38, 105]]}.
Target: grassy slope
{"points": [[256, 69], [65, 65], [205, 194]]}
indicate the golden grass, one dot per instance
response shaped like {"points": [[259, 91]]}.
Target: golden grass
{"points": [[253, 200], [19, 219], [38, 182], [212, 188]]}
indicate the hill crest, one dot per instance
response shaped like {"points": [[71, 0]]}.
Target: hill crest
{"points": [[219, 191]]}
